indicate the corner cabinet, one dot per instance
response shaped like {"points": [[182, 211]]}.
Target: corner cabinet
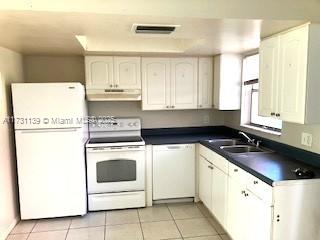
{"points": [[169, 83], [289, 75], [205, 82], [227, 81], [250, 209]]}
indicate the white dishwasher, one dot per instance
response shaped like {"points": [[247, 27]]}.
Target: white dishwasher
{"points": [[173, 171]]}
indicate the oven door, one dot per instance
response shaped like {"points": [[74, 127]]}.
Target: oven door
{"points": [[116, 169]]}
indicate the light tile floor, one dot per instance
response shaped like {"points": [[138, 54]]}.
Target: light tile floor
{"points": [[166, 221]]}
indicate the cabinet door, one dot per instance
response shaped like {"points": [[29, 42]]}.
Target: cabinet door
{"points": [[259, 218], [99, 72], [236, 212], [184, 81], [205, 83], [219, 195], [269, 61], [155, 83], [293, 75], [205, 183], [127, 72]]}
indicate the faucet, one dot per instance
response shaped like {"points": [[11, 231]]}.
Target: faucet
{"points": [[250, 140]]}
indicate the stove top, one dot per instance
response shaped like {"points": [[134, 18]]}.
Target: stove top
{"points": [[116, 139]]}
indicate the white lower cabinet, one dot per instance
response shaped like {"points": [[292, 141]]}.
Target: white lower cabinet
{"points": [[213, 183], [249, 217], [205, 184], [219, 195]]}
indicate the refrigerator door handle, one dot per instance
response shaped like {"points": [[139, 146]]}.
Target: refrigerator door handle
{"points": [[49, 130]]}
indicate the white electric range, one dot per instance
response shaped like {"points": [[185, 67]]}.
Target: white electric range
{"points": [[116, 164]]}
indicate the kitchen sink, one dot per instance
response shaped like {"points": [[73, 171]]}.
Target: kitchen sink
{"points": [[226, 142], [243, 149]]}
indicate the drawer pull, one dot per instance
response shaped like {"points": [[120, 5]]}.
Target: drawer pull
{"points": [[255, 182], [235, 170]]}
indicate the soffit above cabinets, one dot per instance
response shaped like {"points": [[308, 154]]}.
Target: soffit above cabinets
{"points": [[40, 33]]}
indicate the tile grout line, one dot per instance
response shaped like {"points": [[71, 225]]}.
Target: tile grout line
{"points": [[68, 229], [174, 221], [31, 229], [140, 224]]}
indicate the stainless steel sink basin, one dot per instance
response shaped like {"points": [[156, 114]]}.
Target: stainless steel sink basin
{"points": [[243, 149], [226, 142]]}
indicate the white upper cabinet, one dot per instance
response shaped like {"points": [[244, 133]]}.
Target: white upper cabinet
{"points": [[184, 82], [268, 57], [227, 82], [127, 73], [169, 83], [112, 72], [155, 83], [289, 75], [99, 72], [205, 82], [293, 75]]}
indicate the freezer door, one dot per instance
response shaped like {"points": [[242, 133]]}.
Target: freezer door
{"points": [[51, 173], [48, 105]]}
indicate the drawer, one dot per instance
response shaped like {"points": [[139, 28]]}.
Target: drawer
{"points": [[214, 158], [260, 188], [238, 173]]}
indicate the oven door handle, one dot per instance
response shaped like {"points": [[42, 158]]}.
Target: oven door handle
{"points": [[115, 149]]}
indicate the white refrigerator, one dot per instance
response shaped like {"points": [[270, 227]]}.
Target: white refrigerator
{"points": [[50, 135]]}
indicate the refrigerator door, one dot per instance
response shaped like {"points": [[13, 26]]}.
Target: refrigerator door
{"points": [[51, 173], [48, 105]]}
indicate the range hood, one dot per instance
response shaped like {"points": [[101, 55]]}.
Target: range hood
{"points": [[113, 94]]}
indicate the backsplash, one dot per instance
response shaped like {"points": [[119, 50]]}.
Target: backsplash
{"points": [[157, 119]]}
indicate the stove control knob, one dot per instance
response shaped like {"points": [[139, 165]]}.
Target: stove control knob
{"points": [[130, 124], [135, 124]]}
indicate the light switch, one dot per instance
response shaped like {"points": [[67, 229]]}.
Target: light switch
{"points": [[306, 139]]}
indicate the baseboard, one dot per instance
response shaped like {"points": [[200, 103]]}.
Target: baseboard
{"points": [[5, 233]]}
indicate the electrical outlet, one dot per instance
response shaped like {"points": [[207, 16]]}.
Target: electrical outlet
{"points": [[206, 119], [306, 139]]}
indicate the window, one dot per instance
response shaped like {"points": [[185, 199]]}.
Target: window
{"points": [[250, 98]]}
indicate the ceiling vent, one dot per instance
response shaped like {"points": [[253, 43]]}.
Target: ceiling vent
{"points": [[154, 28]]}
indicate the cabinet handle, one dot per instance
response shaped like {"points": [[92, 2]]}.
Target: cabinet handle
{"points": [[243, 192], [255, 182], [167, 106], [116, 85], [172, 106], [235, 170], [110, 85], [246, 194], [210, 167], [272, 114], [200, 106], [278, 115]]}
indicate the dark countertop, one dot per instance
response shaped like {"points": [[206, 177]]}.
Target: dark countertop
{"points": [[269, 167]]}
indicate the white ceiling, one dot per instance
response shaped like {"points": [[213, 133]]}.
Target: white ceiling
{"points": [[50, 29]]}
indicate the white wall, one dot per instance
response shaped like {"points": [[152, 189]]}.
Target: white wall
{"points": [[11, 69], [71, 69], [291, 133]]}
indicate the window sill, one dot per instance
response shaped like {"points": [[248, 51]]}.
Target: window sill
{"points": [[261, 129]]}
